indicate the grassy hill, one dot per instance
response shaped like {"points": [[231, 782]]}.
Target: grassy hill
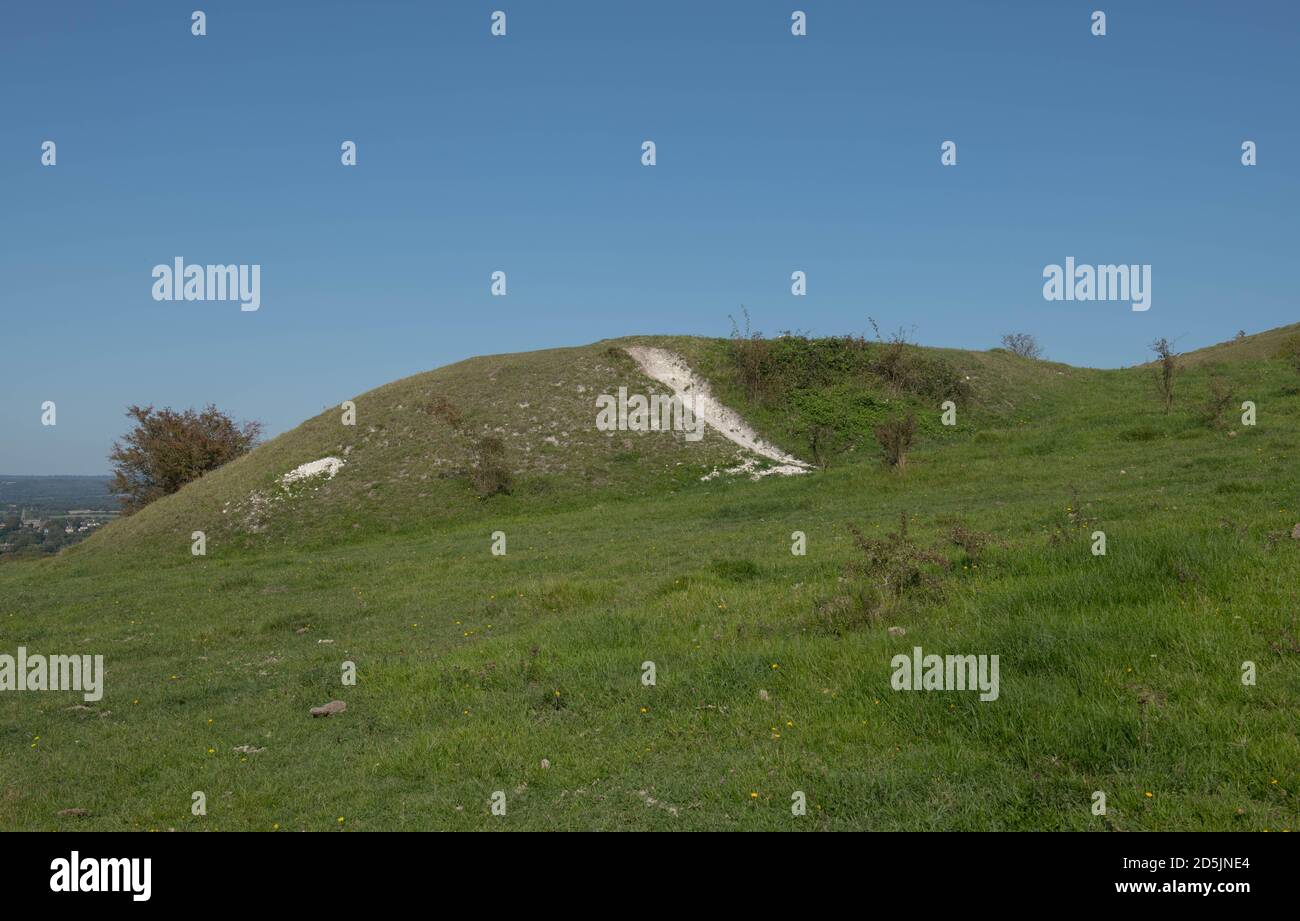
{"points": [[1256, 347], [523, 673]]}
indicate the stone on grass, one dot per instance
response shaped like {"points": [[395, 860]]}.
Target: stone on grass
{"points": [[334, 706]]}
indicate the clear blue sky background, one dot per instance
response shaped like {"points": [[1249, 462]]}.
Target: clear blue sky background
{"points": [[523, 154]]}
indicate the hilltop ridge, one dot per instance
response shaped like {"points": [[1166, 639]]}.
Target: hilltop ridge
{"points": [[403, 464]]}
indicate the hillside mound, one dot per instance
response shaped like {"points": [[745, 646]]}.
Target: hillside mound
{"points": [[784, 404]]}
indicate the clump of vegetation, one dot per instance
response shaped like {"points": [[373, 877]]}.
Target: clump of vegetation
{"points": [[442, 408], [1075, 520], [736, 570], [1290, 351], [971, 542], [167, 449], [892, 363], [904, 368], [618, 357], [896, 564], [1022, 344], [826, 395], [1166, 370], [821, 443], [752, 355], [1140, 433], [895, 438], [488, 471], [889, 572], [1221, 397]]}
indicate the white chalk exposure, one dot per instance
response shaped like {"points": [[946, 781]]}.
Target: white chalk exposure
{"points": [[326, 465], [670, 369]]}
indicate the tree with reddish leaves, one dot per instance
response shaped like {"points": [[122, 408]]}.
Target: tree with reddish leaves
{"points": [[167, 449]]}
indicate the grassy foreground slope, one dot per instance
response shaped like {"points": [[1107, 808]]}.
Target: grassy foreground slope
{"points": [[522, 673]]}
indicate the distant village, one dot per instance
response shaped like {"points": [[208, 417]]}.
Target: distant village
{"points": [[35, 532]]}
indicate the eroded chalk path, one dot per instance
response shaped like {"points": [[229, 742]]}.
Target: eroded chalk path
{"points": [[671, 369]]}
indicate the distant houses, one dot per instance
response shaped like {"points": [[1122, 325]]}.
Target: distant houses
{"points": [[36, 530]]}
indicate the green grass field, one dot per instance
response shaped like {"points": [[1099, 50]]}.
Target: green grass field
{"points": [[522, 673]]}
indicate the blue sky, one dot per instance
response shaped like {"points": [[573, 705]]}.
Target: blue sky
{"points": [[522, 154]]}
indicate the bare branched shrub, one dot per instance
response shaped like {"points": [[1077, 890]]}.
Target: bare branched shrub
{"points": [[489, 472], [1022, 344], [1166, 370], [1220, 398], [895, 438]]}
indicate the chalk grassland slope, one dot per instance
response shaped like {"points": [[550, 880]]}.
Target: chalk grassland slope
{"points": [[405, 464], [1119, 673], [1256, 347]]}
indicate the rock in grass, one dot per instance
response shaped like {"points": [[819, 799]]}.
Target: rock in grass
{"points": [[897, 631], [1295, 532], [334, 706]]}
